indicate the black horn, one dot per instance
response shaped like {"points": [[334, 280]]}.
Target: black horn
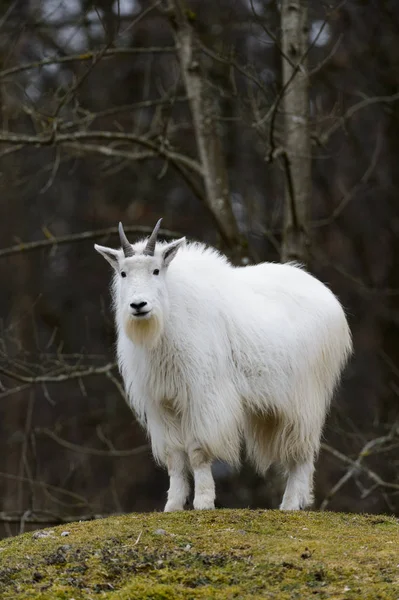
{"points": [[126, 246], [150, 247]]}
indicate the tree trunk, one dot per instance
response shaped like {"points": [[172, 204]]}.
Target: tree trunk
{"points": [[297, 148], [205, 111]]}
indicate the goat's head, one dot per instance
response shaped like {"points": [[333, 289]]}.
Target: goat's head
{"points": [[140, 292]]}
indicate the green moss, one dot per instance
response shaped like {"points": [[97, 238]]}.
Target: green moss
{"points": [[208, 555]]}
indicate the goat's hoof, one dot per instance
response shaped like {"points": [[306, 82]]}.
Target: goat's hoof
{"points": [[204, 503], [172, 507], [299, 501], [294, 505]]}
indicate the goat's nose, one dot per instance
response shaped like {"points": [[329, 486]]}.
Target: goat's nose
{"points": [[138, 306]]}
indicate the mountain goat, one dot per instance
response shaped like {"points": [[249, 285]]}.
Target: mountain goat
{"points": [[214, 357]]}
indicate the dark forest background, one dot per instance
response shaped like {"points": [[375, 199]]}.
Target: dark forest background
{"points": [[102, 120]]}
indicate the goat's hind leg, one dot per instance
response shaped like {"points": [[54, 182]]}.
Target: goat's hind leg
{"points": [[178, 486], [204, 485], [299, 488]]}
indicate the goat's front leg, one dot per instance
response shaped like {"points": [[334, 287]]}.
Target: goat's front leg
{"points": [[204, 485], [178, 486]]}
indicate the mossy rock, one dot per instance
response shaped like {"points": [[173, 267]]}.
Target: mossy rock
{"points": [[211, 554]]}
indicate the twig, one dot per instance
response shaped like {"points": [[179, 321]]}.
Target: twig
{"points": [[270, 34], [117, 384], [14, 390], [62, 138], [89, 118], [140, 16], [7, 13], [86, 56], [47, 517], [323, 139], [356, 466], [233, 63], [81, 237], [78, 83], [59, 378], [91, 451], [81, 501], [174, 159], [347, 197], [138, 538], [53, 173], [328, 57]]}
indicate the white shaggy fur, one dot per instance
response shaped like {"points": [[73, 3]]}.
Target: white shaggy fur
{"points": [[227, 356]]}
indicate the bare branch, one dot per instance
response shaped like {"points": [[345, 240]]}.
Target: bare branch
{"points": [[357, 465], [329, 56], [117, 384], [340, 122], [7, 13], [91, 451], [82, 237], [86, 56], [347, 197], [42, 517], [14, 390], [78, 83], [230, 61], [59, 378], [62, 138], [270, 34], [47, 486], [116, 110], [178, 161]]}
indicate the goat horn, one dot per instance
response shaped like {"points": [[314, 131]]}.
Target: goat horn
{"points": [[126, 246], [150, 247]]}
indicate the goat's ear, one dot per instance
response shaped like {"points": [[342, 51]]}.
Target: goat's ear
{"points": [[109, 254], [170, 251]]}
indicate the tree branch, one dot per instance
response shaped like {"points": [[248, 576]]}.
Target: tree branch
{"points": [[82, 237], [340, 122], [39, 517], [55, 138], [348, 196], [85, 56], [115, 110], [77, 374], [357, 465], [112, 453], [54, 488]]}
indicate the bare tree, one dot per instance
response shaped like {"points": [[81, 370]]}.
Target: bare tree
{"points": [[206, 114], [296, 154]]}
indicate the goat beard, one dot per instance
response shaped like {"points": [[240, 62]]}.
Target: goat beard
{"points": [[145, 332]]}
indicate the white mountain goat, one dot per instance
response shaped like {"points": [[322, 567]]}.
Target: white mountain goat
{"points": [[214, 357]]}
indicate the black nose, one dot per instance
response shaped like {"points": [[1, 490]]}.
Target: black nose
{"points": [[138, 306]]}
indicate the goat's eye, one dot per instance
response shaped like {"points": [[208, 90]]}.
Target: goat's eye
{"points": [[156, 272], [123, 273]]}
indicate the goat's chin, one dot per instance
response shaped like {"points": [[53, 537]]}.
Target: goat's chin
{"points": [[144, 332]]}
